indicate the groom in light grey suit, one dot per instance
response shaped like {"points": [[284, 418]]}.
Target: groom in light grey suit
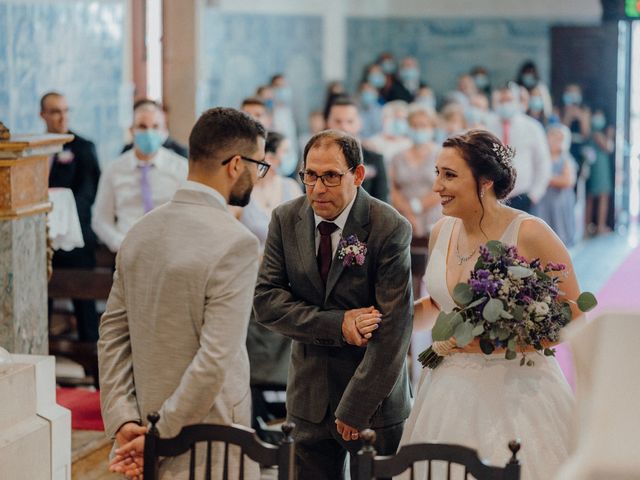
{"points": [[172, 338], [351, 324]]}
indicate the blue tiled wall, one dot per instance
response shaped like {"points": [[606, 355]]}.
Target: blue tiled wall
{"points": [[449, 47], [240, 52], [75, 47]]}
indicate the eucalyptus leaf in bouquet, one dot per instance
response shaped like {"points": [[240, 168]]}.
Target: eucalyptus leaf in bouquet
{"points": [[508, 303]]}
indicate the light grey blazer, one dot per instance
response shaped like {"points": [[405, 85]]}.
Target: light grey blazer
{"points": [[172, 338]]}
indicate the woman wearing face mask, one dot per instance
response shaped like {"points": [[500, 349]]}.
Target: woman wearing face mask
{"points": [[539, 106], [393, 138], [370, 110], [599, 186], [411, 177], [576, 116]]}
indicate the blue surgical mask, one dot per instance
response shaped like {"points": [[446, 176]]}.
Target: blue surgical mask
{"points": [[572, 98], [388, 66], [376, 79], [420, 137], [409, 75], [397, 127], [148, 141], [529, 80], [507, 110], [536, 104], [481, 81], [473, 115], [598, 122], [426, 101], [283, 95], [368, 98], [268, 103]]}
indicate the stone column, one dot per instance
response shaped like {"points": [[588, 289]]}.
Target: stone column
{"points": [[24, 202]]}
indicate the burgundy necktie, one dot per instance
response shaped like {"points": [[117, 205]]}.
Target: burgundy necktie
{"points": [[325, 250]]}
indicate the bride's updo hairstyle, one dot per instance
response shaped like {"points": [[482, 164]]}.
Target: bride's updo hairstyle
{"points": [[488, 158]]}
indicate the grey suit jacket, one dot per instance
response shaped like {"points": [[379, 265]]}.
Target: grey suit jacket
{"points": [[362, 386], [172, 338]]}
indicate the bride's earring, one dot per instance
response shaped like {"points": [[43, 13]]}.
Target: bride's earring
{"points": [[482, 193]]}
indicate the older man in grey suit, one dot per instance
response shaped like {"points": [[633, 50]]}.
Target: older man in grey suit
{"points": [[172, 338], [348, 311]]}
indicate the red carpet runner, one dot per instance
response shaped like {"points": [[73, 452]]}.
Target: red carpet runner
{"points": [[84, 406]]}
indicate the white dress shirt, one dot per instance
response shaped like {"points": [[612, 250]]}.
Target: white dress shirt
{"points": [[533, 159], [340, 221], [119, 201]]}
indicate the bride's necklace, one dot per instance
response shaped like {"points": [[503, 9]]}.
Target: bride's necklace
{"points": [[463, 258]]}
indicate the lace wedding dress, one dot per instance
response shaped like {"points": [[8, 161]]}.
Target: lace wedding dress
{"points": [[483, 401]]}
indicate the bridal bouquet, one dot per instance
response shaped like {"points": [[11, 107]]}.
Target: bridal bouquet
{"points": [[508, 303]]}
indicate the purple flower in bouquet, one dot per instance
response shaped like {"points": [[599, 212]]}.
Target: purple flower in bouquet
{"points": [[352, 251]]}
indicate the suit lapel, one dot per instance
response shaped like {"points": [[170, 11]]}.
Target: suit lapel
{"points": [[306, 239], [356, 222]]}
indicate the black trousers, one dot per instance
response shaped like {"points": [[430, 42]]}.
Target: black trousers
{"points": [[84, 310], [321, 452]]}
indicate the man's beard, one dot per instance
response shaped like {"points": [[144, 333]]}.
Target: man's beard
{"points": [[241, 192]]}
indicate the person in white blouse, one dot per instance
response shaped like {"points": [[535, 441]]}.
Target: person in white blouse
{"points": [[137, 181]]}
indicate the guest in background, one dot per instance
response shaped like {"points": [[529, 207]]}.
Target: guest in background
{"points": [[481, 78], [374, 76], [411, 176], [454, 121], [370, 110], [393, 138], [528, 75], [257, 110], [393, 89], [577, 117], [76, 168], [478, 115], [315, 124], [168, 143], [284, 121], [344, 116], [558, 203], [539, 105], [172, 339], [409, 76], [467, 85], [600, 180], [426, 97], [139, 180], [532, 160], [335, 90], [268, 351], [265, 93]]}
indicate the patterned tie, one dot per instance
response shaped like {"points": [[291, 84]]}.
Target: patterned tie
{"points": [[145, 186], [325, 251]]}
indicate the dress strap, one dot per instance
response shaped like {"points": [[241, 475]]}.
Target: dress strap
{"points": [[444, 236], [510, 235]]}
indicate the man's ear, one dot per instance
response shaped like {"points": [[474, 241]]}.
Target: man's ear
{"points": [[359, 172], [233, 167]]}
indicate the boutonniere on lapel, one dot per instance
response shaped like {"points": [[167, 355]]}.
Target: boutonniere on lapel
{"points": [[65, 157], [352, 251]]}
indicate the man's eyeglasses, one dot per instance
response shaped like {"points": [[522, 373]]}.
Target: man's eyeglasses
{"points": [[263, 167], [331, 179]]}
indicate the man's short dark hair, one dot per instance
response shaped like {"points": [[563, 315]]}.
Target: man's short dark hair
{"points": [[43, 99], [222, 132], [147, 101], [340, 101], [252, 101], [349, 145], [276, 77]]}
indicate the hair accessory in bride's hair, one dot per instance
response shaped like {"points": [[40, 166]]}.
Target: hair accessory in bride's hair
{"points": [[504, 153]]}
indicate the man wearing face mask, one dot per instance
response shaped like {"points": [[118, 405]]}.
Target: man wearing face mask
{"points": [[532, 160], [138, 181], [169, 143]]}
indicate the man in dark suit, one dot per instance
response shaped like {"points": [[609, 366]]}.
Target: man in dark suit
{"points": [[76, 167], [343, 115], [350, 324], [169, 142]]}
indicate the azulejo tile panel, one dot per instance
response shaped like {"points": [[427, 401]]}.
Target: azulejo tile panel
{"points": [[75, 47], [240, 52]]}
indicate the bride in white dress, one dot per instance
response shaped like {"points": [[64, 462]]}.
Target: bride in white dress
{"points": [[484, 401]]}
